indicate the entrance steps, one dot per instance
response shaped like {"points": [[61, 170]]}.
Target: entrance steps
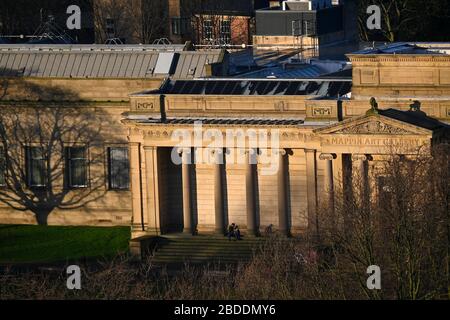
{"points": [[179, 249]]}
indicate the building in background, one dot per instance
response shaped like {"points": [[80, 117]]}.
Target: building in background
{"points": [[315, 28], [224, 22]]}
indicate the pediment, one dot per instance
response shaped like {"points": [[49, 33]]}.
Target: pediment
{"points": [[373, 125]]}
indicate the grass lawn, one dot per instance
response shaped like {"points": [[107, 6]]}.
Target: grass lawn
{"points": [[30, 244]]}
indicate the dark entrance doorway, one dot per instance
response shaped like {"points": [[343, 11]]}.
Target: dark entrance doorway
{"points": [[170, 191]]}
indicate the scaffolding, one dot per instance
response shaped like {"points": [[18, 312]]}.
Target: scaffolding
{"points": [[49, 31]]}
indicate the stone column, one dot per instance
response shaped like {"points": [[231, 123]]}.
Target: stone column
{"points": [[139, 220], [252, 228], [186, 178], [218, 191], [152, 183], [329, 178], [283, 225], [360, 176], [311, 191]]}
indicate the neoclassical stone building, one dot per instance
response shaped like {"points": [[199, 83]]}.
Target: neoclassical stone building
{"points": [[327, 130], [311, 135]]}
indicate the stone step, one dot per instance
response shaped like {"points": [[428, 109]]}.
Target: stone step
{"points": [[180, 259], [208, 245], [193, 251], [179, 249], [179, 254], [215, 240]]}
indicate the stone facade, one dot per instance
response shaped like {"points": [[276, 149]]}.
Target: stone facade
{"points": [[90, 110], [318, 137], [333, 134]]}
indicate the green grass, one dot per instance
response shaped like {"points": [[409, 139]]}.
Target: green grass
{"points": [[38, 244]]}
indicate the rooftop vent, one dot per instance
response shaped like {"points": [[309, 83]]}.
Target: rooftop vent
{"points": [[166, 62]]}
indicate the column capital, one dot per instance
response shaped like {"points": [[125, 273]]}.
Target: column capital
{"points": [[149, 148], [251, 151], [327, 156], [360, 157], [134, 144], [283, 152], [217, 151], [181, 150]]}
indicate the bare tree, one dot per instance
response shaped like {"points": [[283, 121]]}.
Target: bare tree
{"points": [[34, 142], [396, 16], [155, 20], [401, 226], [137, 21]]}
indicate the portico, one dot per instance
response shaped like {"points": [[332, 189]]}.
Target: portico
{"points": [[327, 142], [218, 186]]}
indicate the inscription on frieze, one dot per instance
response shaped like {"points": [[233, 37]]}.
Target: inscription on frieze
{"points": [[364, 141], [322, 111], [144, 105]]}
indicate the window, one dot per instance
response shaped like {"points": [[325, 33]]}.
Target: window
{"points": [[2, 167], [225, 31], [110, 28], [36, 165], [119, 168], [76, 167], [179, 25], [207, 30]]}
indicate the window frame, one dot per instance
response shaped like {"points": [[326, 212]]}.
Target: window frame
{"points": [[225, 31], [110, 27], [208, 30], [179, 26], [29, 167], [110, 160], [68, 166]]}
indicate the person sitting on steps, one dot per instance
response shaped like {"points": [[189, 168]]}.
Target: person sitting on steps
{"points": [[237, 232], [231, 232]]}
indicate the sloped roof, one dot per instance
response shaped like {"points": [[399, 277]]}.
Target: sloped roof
{"points": [[191, 64], [416, 118], [233, 86], [414, 122], [304, 72], [100, 61]]}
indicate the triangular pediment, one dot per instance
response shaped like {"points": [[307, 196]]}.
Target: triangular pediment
{"points": [[373, 125]]}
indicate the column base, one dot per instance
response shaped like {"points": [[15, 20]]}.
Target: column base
{"points": [[189, 231], [252, 233], [286, 233], [220, 232]]}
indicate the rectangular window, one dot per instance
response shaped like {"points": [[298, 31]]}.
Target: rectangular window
{"points": [[2, 167], [76, 167], [207, 30], [119, 168], [180, 26], [110, 28], [36, 165], [225, 31]]}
